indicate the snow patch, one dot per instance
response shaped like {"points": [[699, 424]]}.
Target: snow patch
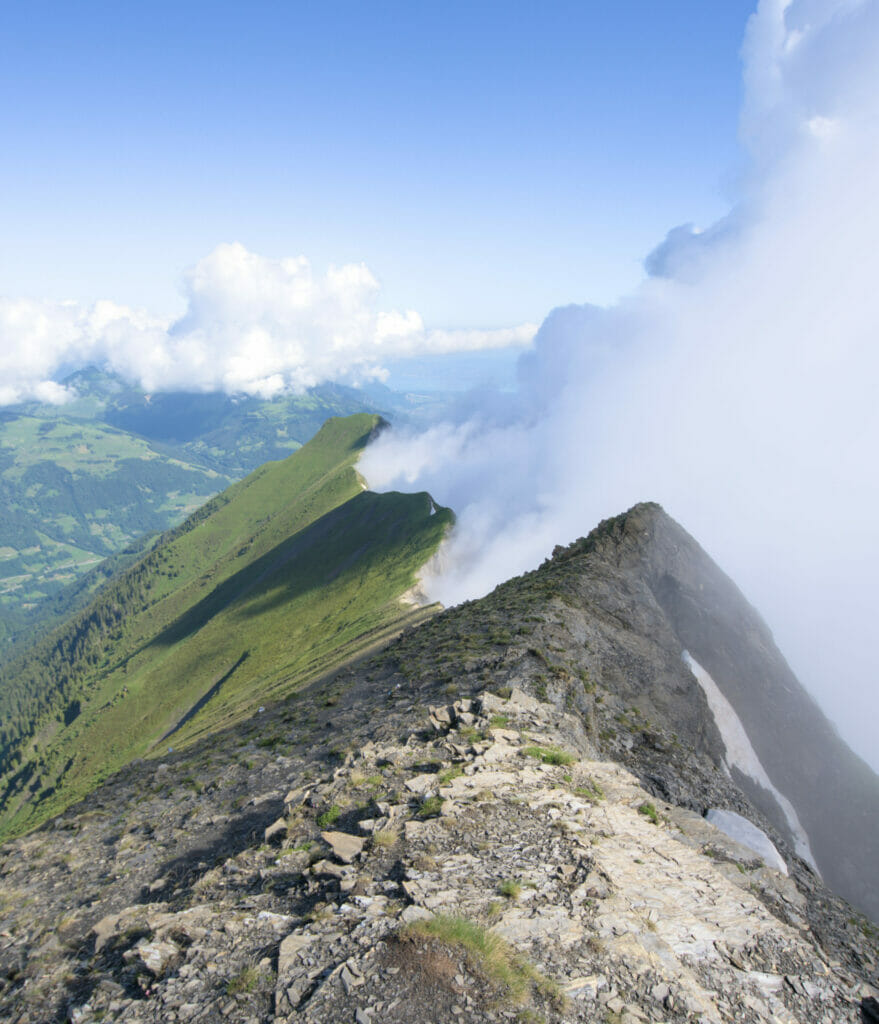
{"points": [[741, 754], [747, 834]]}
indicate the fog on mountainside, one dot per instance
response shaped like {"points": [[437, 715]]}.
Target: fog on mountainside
{"points": [[734, 387]]}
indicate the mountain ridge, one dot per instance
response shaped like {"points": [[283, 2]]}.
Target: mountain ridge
{"points": [[835, 791], [521, 781], [83, 480], [298, 560], [482, 779]]}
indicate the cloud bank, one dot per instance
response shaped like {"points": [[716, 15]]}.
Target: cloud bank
{"points": [[252, 325], [736, 387]]}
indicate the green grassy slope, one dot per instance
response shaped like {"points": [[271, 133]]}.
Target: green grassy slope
{"points": [[81, 481], [277, 580]]}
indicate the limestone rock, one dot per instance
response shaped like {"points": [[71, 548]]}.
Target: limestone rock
{"points": [[540, 840], [345, 847], [158, 957], [289, 950]]}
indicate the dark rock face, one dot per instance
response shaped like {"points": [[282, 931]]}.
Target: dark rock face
{"points": [[835, 794]]}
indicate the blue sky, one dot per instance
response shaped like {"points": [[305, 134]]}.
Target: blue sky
{"points": [[487, 161]]}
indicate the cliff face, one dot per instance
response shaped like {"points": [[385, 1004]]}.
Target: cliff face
{"points": [[812, 787], [497, 818]]}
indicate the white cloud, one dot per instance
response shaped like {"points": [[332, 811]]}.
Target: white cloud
{"points": [[252, 325], [737, 389]]}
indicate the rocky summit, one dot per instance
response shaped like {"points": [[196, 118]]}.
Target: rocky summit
{"points": [[500, 817]]}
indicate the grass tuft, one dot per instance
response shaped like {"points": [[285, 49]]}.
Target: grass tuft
{"points": [[430, 807], [446, 776], [590, 791], [550, 755], [329, 816], [649, 812], [245, 981], [497, 959]]}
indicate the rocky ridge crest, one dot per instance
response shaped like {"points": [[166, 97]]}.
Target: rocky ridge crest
{"points": [[617, 908]]}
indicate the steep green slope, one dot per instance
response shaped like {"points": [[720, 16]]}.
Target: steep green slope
{"points": [[79, 482], [278, 579]]}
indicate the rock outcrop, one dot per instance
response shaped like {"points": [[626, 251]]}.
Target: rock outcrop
{"points": [[492, 817], [647, 571]]}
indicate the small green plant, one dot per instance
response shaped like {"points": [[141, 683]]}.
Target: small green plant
{"points": [[590, 790], [384, 838], [649, 812], [430, 807], [499, 721], [550, 755], [329, 817], [245, 981], [510, 888], [471, 734], [446, 776]]}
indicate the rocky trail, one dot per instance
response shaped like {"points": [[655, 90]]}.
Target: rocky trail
{"points": [[363, 893]]}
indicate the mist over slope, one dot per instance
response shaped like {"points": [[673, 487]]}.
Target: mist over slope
{"points": [[734, 387]]}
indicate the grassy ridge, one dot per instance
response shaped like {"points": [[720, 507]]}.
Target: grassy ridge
{"points": [[79, 482], [276, 580]]}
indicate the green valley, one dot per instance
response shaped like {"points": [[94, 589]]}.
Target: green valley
{"points": [[74, 492], [279, 579]]}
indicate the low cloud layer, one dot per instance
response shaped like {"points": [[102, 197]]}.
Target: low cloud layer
{"points": [[736, 387], [252, 325]]}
